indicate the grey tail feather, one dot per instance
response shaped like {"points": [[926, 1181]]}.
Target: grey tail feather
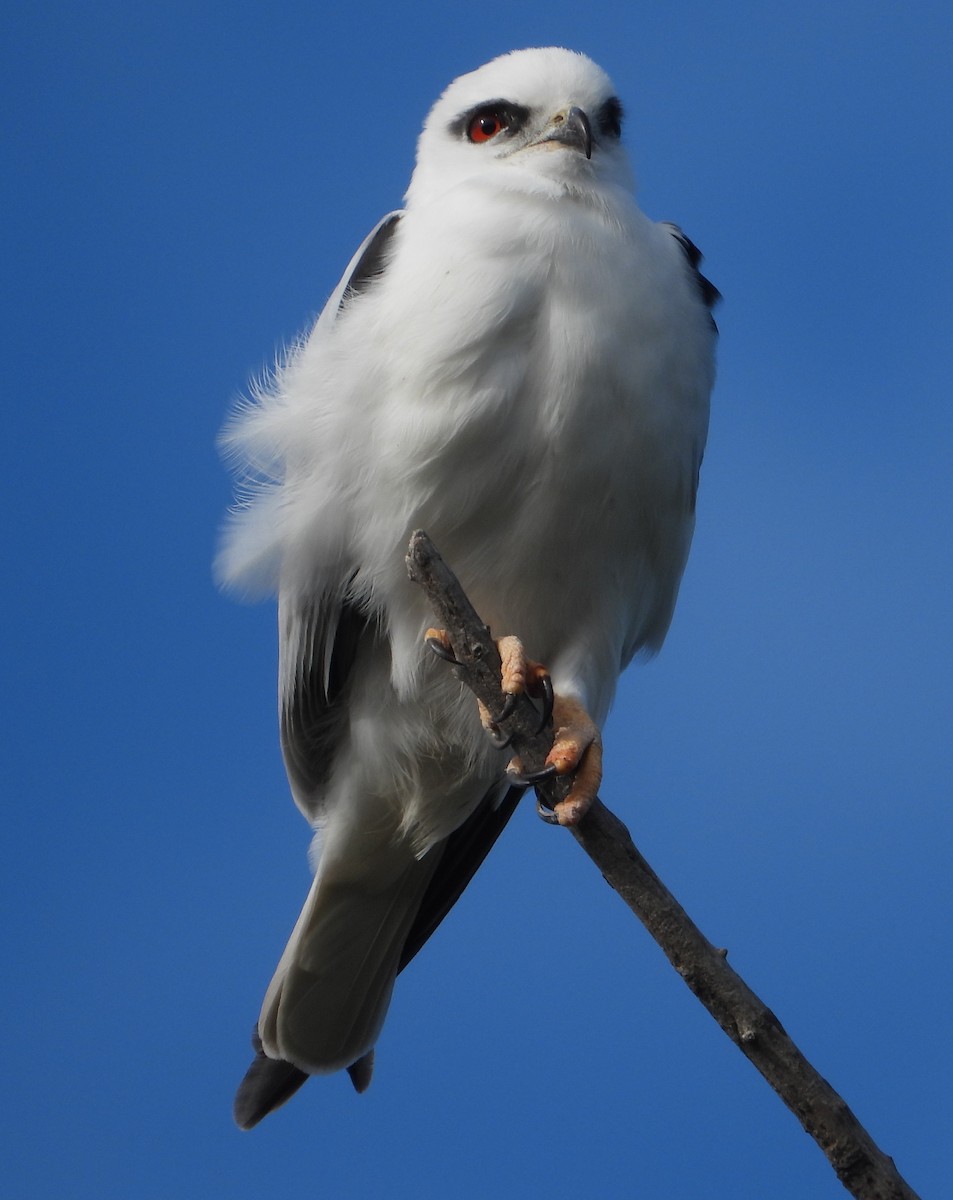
{"points": [[270, 1082]]}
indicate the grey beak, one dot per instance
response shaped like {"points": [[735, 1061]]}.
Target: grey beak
{"points": [[572, 130]]}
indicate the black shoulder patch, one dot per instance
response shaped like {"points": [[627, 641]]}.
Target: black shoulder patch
{"points": [[371, 264], [710, 295]]}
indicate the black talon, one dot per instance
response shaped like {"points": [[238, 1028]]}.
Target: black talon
{"points": [[509, 707], [441, 651], [497, 738], [545, 813], [530, 778], [549, 699]]}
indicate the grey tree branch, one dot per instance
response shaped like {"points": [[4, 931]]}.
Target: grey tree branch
{"points": [[864, 1170]]}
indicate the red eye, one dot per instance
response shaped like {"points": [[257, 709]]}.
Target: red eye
{"points": [[485, 126]]}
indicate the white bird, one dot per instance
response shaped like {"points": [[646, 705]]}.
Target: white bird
{"points": [[520, 363]]}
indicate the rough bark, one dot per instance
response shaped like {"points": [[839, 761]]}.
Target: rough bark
{"points": [[865, 1171]]}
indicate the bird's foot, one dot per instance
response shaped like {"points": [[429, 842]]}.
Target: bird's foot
{"points": [[577, 744], [519, 674], [577, 751]]}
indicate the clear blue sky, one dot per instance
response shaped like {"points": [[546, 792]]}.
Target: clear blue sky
{"points": [[183, 184]]}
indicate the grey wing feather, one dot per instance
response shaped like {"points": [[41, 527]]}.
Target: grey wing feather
{"points": [[318, 645], [319, 638], [462, 854]]}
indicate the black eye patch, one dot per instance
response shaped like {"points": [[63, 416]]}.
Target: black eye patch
{"points": [[609, 118], [509, 117]]}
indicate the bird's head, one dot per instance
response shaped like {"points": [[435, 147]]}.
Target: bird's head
{"points": [[548, 117]]}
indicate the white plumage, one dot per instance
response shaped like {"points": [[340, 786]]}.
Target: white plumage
{"points": [[520, 363]]}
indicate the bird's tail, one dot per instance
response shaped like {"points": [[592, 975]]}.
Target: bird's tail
{"points": [[326, 1004]]}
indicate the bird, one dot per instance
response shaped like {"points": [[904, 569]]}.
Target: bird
{"points": [[519, 361]]}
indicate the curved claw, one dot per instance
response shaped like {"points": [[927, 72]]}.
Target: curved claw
{"points": [[498, 740], [545, 813], [549, 699], [509, 707], [441, 650], [530, 778]]}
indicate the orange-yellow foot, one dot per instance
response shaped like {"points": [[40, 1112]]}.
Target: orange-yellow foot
{"points": [[518, 674], [577, 743], [577, 751]]}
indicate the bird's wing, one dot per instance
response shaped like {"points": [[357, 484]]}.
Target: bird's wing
{"points": [[669, 548], [709, 294], [318, 644], [267, 1084], [320, 639], [368, 264], [320, 636], [255, 554], [461, 855]]}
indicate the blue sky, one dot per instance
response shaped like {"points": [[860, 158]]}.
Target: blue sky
{"points": [[182, 186]]}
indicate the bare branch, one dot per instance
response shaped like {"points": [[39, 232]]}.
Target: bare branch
{"points": [[478, 660], [865, 1171]]}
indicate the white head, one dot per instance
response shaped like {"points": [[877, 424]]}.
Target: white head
{"points": [[546, 114]]}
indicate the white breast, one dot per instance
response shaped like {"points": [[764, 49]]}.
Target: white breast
{"points": [[529, 382]]}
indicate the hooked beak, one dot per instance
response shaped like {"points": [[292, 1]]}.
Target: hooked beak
{"points": [[571, 129]]}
